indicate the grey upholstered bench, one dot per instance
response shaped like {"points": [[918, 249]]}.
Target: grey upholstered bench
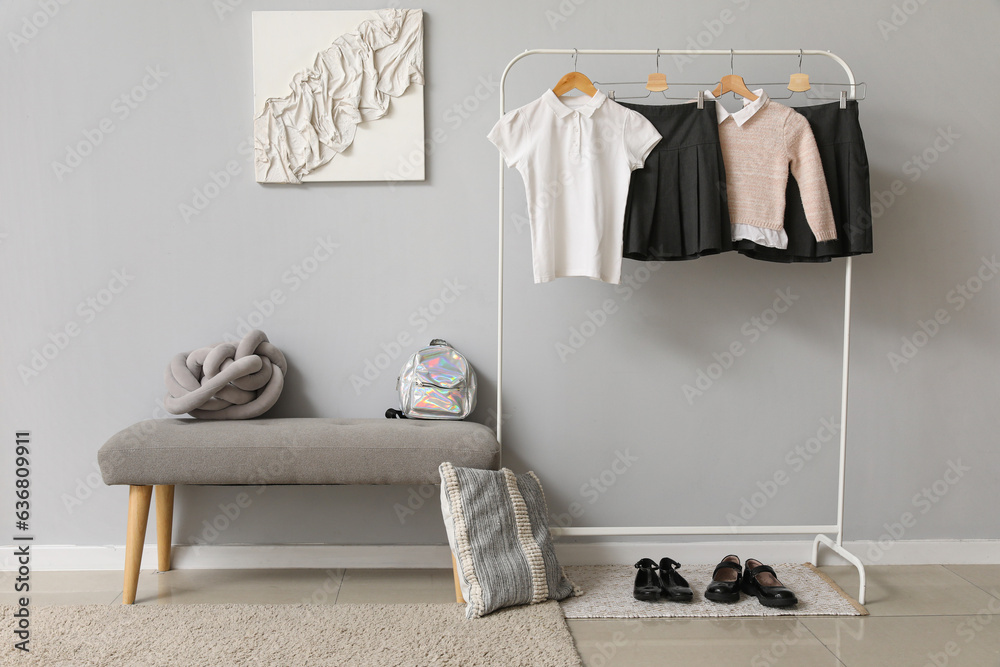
{"points": [[163, 453]]}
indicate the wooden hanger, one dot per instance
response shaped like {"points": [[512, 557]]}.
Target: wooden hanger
{"points": [[799, 82], [657, 82], [733, 83], [574, 79]]}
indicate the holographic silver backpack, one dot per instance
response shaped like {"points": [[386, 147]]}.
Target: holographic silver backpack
{"points": [[437, 382]]}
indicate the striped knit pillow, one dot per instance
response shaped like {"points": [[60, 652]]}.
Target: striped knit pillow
{"points": [[499, 533]]}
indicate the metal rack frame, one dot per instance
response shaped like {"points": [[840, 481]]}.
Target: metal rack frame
{"points": [[822, 531]]}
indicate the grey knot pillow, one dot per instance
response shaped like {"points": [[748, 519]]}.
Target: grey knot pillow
{"points": [[499, 534]]}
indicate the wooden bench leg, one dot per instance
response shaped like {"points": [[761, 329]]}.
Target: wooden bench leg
{"points": [[458, 585], [135, 537], [164, 524]]}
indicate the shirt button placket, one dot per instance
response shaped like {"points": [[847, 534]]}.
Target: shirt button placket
{"points": [[576, 142]]}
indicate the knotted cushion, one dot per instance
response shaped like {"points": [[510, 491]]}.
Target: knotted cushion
{"points": [[226, 381]]}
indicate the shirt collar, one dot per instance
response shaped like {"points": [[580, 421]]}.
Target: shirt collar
{"points": [[561, 109], [744, 114]]}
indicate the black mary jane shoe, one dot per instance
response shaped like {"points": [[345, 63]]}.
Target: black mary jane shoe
{"points": [[673, 586], [647, 583], [761, 582], [726, 580]]}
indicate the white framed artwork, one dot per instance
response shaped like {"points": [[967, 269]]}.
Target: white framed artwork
{"points": [[338, 95]]}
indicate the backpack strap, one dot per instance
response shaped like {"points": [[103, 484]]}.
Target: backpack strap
{"points": [[440, 341], [392, 413]]}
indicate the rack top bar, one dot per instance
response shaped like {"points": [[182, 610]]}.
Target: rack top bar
{"points": [[668, 52]]}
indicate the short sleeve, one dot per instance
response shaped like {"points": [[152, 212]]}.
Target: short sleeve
{"points": [[510, 136], [639, 137]]}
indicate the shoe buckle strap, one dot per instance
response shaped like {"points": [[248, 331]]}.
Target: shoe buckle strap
{"points": [[725, 564], [672, 563], [646, 562], [760, 569]]}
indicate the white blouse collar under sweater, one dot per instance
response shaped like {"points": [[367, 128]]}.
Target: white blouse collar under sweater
{"points": [[744, 114]]}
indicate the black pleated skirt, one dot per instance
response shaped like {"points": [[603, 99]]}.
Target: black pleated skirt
{"points": [[845, 165], [676, 205]]}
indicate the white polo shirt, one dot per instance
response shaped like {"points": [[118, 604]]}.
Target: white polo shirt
{"points": [[576, 156]]}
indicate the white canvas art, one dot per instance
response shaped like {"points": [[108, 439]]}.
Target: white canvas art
{"points": [[338, 96]]}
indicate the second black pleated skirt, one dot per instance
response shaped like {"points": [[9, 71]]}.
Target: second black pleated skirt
{"points": [[845, 165], [676, 206]]}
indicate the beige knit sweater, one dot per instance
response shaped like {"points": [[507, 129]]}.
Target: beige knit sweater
{"points": [[758, 155]]}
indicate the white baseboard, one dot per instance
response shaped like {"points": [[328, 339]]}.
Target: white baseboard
{"points": [[904, 552]]}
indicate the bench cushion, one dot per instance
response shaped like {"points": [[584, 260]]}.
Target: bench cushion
{"points": [[294, 451]]}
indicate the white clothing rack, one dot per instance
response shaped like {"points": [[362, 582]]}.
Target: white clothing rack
{"points": [[820, 530]]}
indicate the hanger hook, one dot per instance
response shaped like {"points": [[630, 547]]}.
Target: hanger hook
{"points": [[800, 61], [576, 54], [657, 61], [731, 58]]}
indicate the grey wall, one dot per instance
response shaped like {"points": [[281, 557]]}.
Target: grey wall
{"points": [[190, 281]]}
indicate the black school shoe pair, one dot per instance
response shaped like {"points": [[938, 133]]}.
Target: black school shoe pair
{"points": [[759, 581], [651, 585]]}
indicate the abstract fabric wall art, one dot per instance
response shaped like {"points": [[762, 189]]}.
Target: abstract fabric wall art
{"points": [[338, 96]]}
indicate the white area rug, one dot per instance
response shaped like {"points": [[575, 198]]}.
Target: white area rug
{"points": [[608, 594], [243, 634]]}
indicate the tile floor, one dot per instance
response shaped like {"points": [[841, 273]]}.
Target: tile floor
{"points": [[921, 615]]}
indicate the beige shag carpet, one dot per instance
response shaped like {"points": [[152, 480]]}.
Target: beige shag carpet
{"points": [[346, 634], [609, 595]]}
